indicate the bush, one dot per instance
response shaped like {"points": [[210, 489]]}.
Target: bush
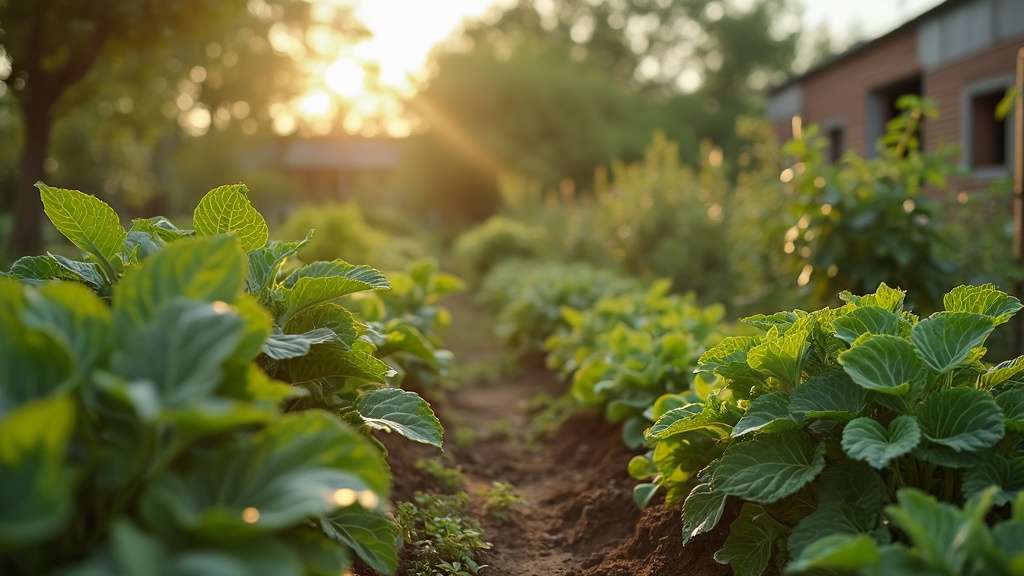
{"points": [[480, 249]]}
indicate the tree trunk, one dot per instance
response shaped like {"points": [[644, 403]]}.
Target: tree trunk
{"points": [[27, 232]]}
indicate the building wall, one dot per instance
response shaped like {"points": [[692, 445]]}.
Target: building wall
{"points": [[839, 94]]}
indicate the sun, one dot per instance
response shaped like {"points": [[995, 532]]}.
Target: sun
{"points": [[346, 77]]}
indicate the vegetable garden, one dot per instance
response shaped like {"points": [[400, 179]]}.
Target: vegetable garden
{"points": [[204, 401]]}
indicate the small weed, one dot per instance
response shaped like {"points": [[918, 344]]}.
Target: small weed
{"points": [[548, 415], [449, 478], [444, 538], [501, 500], [463, 436]]}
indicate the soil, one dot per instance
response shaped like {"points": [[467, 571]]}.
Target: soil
{"points": [[580, 519]]}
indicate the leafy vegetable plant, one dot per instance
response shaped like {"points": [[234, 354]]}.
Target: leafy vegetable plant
{"points": [[819, 423], [140, 437], [314, 342], [444, 538]]}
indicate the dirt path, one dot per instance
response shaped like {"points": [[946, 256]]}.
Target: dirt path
{"points": [[580, 519]]}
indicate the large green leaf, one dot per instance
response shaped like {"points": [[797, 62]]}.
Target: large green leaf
{"points": [[72, 315], [265, 263], [769, 467], [842, 553], [332, 361], [366, 533], [281, 346], [708, 418], [1002, 372], [939, 532], [986, 300], [769, 412], [701, 511], [728, 359], [782, 356], [36, 481], [37, 269], [299, 468], [884, 297], [180, 353], [831, 395], [88, 273], [866, 320], [866, 439], [886, 364], [207, 269], [945, 339], [1007, 475], [964, 419], [831, 518], [227, 209], [325, 281], [327, 315], [404, 412], [88, 223], [1011, 403], [751, 539]]}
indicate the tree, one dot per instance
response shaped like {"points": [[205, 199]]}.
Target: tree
{"points": [[116, 65]]}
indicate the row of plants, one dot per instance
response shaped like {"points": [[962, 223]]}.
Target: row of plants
{"points": [[849, 436], [199, 401]]}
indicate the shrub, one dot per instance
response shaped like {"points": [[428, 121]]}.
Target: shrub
{"points": [[480, 249]]}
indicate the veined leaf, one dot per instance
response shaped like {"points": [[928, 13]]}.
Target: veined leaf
{"points": [[35, 477], [986, 300], [701, 511], [1011, 403], [886, 364], [301, 467], [728, 359], [265, 263], [368, 534], [86, 272], [88, 223], [866, 439], [780, 320], [206, 269], [782, 356], [281, 346], [1002, 372], [707, 417], [866, 320], [324, 281], [71, 314], [837, 553], [181, 351], [227, 209], [749, 546], [327, 361], [831, 518], [328, 315], [831, 395], [884, 297], [769, 412], [38, 269], [404, 412], [769, 467], [945, 339], [1005, 474], [938, 530], [964, 419]]}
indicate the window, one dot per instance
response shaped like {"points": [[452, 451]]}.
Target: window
{"points": [[987, 140], [835, 143], [882, 108]]}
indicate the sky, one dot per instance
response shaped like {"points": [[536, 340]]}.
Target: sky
{"points": [[405, 30]]}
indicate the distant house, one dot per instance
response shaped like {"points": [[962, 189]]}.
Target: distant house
{"points": [[962, 53], [334, 168]]}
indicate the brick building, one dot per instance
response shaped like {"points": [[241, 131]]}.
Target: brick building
{"points": [[962, 53]]}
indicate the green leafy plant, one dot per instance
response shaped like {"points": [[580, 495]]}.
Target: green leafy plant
{"points": [[313, 342], [628, 350], [137, 435], [451, 479], [480, 249], [501, 499], [530, 297], [816, 425], [444, 538], [861, 221]]}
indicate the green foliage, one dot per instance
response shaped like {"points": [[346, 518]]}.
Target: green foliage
{"points": [[480, 249], [820, 422], [308, 339], [450, 479], [626, 351], [531, 295], [141, 433], [342, 232], [444, 538], [864, 221], [501, 499]]}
